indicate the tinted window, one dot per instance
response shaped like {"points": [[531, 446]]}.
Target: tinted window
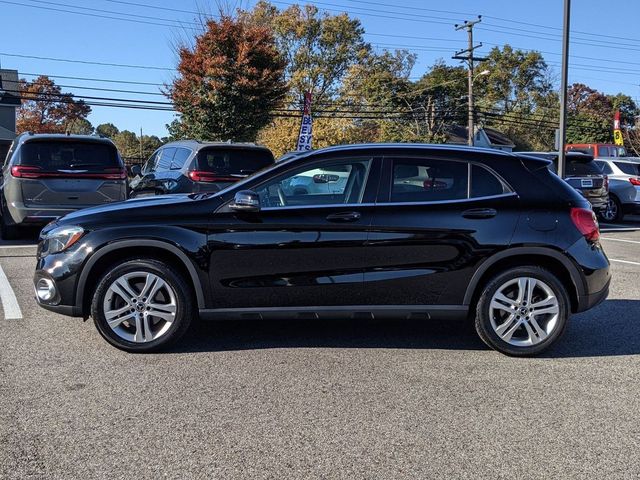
{"points": [[588, 150], [484, 183], [233, 161], [605, 152], [69, 155], [582, 168], [329, 183], [425, 180], [179, 158], [629, 168], [165, 156], [605, 168]]}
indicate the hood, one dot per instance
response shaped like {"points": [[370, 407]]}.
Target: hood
{"points": [[139, 207]]}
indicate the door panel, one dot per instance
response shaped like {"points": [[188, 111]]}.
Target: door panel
{"points": [[301, 249], [288, 257], [425, 252]]}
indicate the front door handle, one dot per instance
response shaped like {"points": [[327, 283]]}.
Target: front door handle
{"points": [[344, 217], [480, 213]]}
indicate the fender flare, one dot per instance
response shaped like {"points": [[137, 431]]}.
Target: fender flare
{"points": [[574, 274], [82, 281]]}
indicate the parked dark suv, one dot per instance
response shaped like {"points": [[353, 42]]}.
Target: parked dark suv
{"points": [[46, 176], [415, 231], [189, 166]]}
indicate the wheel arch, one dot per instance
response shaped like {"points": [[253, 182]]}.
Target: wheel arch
{"points": [[552, 260], [106, 256]]}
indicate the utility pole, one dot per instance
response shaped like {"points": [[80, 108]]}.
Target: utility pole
{"points": [[468, 56], [563, 88], [141, 157]]}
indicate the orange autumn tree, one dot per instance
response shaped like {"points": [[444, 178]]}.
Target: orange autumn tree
{"points": [[45, 109], [228, 83]]}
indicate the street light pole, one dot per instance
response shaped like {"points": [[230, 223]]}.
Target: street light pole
{"points": [[563, 88]]}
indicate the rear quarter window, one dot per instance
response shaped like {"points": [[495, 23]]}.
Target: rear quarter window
{"points": [[233, 161], [629, 168], [69, 155]]}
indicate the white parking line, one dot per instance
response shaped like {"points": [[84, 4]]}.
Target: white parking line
{"points": [[624, 261], [9, 301], [620, 240], [18, 246]]}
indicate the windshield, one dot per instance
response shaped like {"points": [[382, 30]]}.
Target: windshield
{"points": [[69, 155]]}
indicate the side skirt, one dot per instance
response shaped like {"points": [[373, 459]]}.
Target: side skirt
{"points": [[425, 312]]}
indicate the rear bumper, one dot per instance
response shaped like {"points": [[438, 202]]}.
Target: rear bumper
{"points": [[22, 215], [586, 302]]}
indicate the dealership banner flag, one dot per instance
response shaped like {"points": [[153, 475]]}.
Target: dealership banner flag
{"points": [[617, 133], [306, 127]]}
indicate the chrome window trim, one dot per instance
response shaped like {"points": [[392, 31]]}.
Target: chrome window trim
{"points": [[388, 204]]}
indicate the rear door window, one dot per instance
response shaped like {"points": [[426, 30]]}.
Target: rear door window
{"points": [[428, 180], [179, 158], [233, 161], [629, 168], [165, 157], [51, 156], [604, 152]]}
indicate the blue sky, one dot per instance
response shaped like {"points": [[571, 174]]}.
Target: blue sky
{"points": [[604, 49]]}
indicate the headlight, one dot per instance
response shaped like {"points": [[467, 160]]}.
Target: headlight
{"points": [[61, 238]]}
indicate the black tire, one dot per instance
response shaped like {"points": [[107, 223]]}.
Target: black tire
{"points": [[616, 206], [483, 321], [184, 304]]}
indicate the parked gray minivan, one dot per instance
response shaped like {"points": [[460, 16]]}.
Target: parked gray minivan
{"points": [[46, 176]]}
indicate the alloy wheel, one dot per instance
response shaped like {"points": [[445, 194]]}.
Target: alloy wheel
{"points": [[139, 307], [610, 213], [524, 311]]}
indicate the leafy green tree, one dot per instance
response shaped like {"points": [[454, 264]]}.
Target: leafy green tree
{"points": [[228, 83], [79, 126], [319, 48], [108, 130]]}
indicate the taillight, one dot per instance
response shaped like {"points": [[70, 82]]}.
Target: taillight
{"points": [[585, 221], [200, 176], [635, 181], [23, 171]]}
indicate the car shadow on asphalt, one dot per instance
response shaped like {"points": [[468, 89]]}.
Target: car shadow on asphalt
{"points": [[611, 329]]}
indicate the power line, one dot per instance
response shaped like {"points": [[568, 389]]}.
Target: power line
{"points": [[88, 62]]}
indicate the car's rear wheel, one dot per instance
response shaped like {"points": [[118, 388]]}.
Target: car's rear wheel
{"points": [[522, 311], [142, 305], [613, 211]]}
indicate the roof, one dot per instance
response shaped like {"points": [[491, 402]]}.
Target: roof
{"points": [[28, 136], [197, 144], [410, 146]]}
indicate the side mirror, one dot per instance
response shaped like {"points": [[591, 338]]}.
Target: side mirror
{"points": [[245, 201], [325, 178], [136, 170]]}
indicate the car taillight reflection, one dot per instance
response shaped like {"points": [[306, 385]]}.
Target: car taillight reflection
{"points": [[200, 176], [585, 221]]}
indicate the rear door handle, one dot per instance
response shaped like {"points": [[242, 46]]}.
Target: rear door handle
{"points": [[480, 213], [344, 217]]}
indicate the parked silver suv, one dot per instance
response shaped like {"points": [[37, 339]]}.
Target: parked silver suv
{"points": [[624, 187], [46, 176]]}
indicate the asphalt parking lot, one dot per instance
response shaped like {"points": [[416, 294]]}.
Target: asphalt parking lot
{"points": [[357, 399]]}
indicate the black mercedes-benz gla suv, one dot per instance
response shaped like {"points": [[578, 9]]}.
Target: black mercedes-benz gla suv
{"points": [[390, 230]]}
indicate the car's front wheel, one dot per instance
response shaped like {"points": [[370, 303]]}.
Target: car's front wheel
{"points": [[522, 311], [142, 305]]}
